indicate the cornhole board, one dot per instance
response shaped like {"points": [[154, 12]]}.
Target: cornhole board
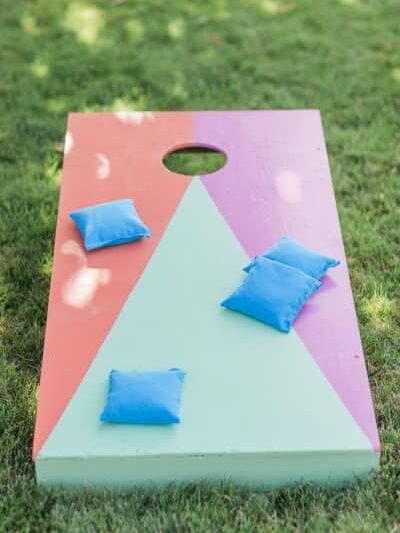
{"points": [[259, 407]]}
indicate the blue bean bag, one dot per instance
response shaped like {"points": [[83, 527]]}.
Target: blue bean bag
{"points": [[273, 293], [109, 224], [140, 397], [291, 253]]}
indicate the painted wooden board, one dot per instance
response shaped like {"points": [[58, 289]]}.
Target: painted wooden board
{"points": [[259, 407]]}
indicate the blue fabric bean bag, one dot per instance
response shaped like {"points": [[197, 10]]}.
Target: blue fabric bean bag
{"points": [[291, 253], [273, 293], [109, 224], [144, 397]]}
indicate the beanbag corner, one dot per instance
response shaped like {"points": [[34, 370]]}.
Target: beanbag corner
{"points": [[292, 253], [273, 293]]}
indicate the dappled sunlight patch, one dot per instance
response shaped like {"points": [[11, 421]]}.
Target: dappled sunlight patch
{"points": [[396, 73], [71, 247], [135, 29], [269, 6], [57, 105], [103, 167], [176, 28], [123, 104], [379, 310], [28, 24], [39, 68], [86, 21], [134, 117], [69, 142], [53, 171], [81, 287], [349, 2], [274, 7], [31, 397], [288, 186], [179, 90], [56, 178], [47, 265]]}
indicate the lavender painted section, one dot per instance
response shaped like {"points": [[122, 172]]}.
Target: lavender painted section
{"points": [[277, 181]]}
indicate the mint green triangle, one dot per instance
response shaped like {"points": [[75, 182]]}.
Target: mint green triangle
{"points": [[248, 388]]}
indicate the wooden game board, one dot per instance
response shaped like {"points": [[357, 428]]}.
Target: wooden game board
{"points": [[259, 407]]}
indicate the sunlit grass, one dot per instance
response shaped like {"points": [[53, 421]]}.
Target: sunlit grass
{"points": [[85, 21], [379, 310], [349, 2], [126, 104], [57, 105], [39, 68], [47, 264], [274, 7], [176, 28], [135, 29], [53, 170], [29, 24], [396, 73]]}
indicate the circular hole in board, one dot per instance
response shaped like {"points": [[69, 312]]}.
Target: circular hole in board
{"points": [[194, 160]]}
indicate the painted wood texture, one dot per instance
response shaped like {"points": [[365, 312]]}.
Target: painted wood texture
{"points": [[77, 325], [276, 181]]}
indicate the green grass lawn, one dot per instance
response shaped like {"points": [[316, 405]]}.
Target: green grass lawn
{"points": [[56, 56]]}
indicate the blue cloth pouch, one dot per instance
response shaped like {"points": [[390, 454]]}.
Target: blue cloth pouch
{"points": [[273, 293], [140, 397], [109, 224], [291, 253]]}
